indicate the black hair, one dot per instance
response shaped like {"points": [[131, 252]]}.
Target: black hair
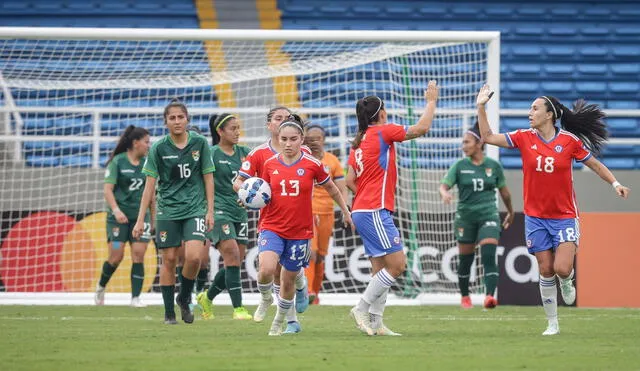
{"points": [[586, 121], [475, 131], [194, 128], [218, 122], [175, 102], [316, 126], [294, 120], [274, 109], [367, 111], [125, 142]]}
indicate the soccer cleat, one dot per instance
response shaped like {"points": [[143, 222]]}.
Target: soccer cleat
{"points": [[293, 327], [261, 311], [205, 305], [302, 298], [384, 331], [568, 291], [170, 320], [362, 321], [137, 303], [99, 297], [312, 298], [241, 313], [490, 302], [276, 328], [553, 328], [185, 310], [465, 303]]}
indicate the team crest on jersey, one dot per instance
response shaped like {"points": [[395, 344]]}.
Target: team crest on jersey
{"points": [[396, 240], [115, 231], [226, 229], [529, 243], [460, 232], [163, 236], [263, 242], [246, 165], [300, 172], [558, 148], [195, 155], [488, 171]]}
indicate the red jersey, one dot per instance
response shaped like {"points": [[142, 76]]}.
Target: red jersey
{"points": [[252, 165], [548, 175], [374, 162], [289, 214]]}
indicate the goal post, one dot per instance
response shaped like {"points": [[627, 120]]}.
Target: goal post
{"points": [[66, 94]]}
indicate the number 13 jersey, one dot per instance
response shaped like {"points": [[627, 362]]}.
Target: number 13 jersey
{"points": [[547, 168]]}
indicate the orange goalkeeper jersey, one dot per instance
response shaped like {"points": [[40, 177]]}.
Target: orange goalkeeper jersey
{"points": [[322, 202]]}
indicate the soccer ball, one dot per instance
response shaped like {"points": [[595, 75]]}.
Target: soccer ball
{"points": [[255, 193]]}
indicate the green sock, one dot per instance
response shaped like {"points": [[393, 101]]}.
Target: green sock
{"points": [[179, 275], [201, 280], [217, 286], [232, 281], [137, 278], [464, 270], [488, 256], [167, 298], [107, 271], [186, 288]]}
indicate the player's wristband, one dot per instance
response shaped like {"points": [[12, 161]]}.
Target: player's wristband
{"points": [[615, 184]]}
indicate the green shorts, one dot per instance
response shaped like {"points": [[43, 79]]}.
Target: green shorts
{"points": [[171, 233], [472, 231], [224, 230], [124, 232]]}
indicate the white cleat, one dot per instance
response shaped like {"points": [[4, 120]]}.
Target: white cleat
{"points": [[276, 328], [261, 311], [137, 303], [384, 331], [552, 329], [568, 291], [362, 321], [98, 299]]}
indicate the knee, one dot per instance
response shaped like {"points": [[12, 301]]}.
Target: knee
{"points": [[169, 261], [397, 270], [562, 270], [546, 270]]}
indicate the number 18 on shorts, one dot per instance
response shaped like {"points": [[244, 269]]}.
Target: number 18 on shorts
{"points": [[294, 254]]}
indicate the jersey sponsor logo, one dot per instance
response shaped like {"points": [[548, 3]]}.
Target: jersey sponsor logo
{"points": [[163, 236], [275, 172], [460, 232], [195, 155], [115, 231], [491, 223], [169, 157], [246, 165], [224, 162], [558, 148], [467, 171], [534, 147], [300, 172], [488, 171], [126, 171], [226, 229]]}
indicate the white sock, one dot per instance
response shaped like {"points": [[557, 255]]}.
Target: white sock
{"points": [[292, 315], [376, 310], [301, 280], [266, 290], [568, 278], [276, 290], [549, 296], [378, 285], [283, 307]]}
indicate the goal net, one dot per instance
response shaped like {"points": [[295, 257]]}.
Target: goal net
{"points": [[67, 94]]}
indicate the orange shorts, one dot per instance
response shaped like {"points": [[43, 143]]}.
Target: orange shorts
{"points": [[323, 230]]}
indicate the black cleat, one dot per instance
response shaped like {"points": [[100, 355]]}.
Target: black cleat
{"points": [[170, 320], [185, 311]]}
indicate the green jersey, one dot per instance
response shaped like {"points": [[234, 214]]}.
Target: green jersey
{"points": [[128, 182], [180, 192], [226, 200], [476, 187]]}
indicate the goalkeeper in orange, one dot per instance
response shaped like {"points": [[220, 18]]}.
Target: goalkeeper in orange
{"points": [[322, 209]]}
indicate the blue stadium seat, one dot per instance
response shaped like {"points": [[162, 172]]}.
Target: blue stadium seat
{"points": [[593, 70], [562, 32], [513, 123], [623, 126], [107, 147], [76, 161], [42, 161], [625, 70], [73, 125], [622, 104], [34, 125], [528, 70], [111, 126], [40, 148], [593, 90], [511, 162], [71, 148], [628, 163], [559, 70]]}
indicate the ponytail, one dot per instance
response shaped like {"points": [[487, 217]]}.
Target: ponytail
{"points": [[367, 111], [125, 142], [218, 122], [586, 121]]}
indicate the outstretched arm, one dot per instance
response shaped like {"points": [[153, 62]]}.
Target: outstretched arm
{"points": [[424, 123], [483, 122], [606, 175]]}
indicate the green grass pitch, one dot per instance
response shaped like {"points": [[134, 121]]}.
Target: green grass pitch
{"points": [[122, 338]]}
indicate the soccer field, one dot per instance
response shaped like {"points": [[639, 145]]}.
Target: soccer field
{"points": [[122, 338]]}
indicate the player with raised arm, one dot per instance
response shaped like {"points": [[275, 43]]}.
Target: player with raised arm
{"points": [[123, 186], [477, 221], [253, 166], [287, 221], [231, 229], [322, 209], [181, 163], [551, 213], [372, 177]]}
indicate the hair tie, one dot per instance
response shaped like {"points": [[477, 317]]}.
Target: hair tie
{"points": [[552, 106], [223, 120], [378, 110], [474, 134]]}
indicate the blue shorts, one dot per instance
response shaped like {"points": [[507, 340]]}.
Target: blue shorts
{"points": [[379, 235], [544, 234], [294, 254]]}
